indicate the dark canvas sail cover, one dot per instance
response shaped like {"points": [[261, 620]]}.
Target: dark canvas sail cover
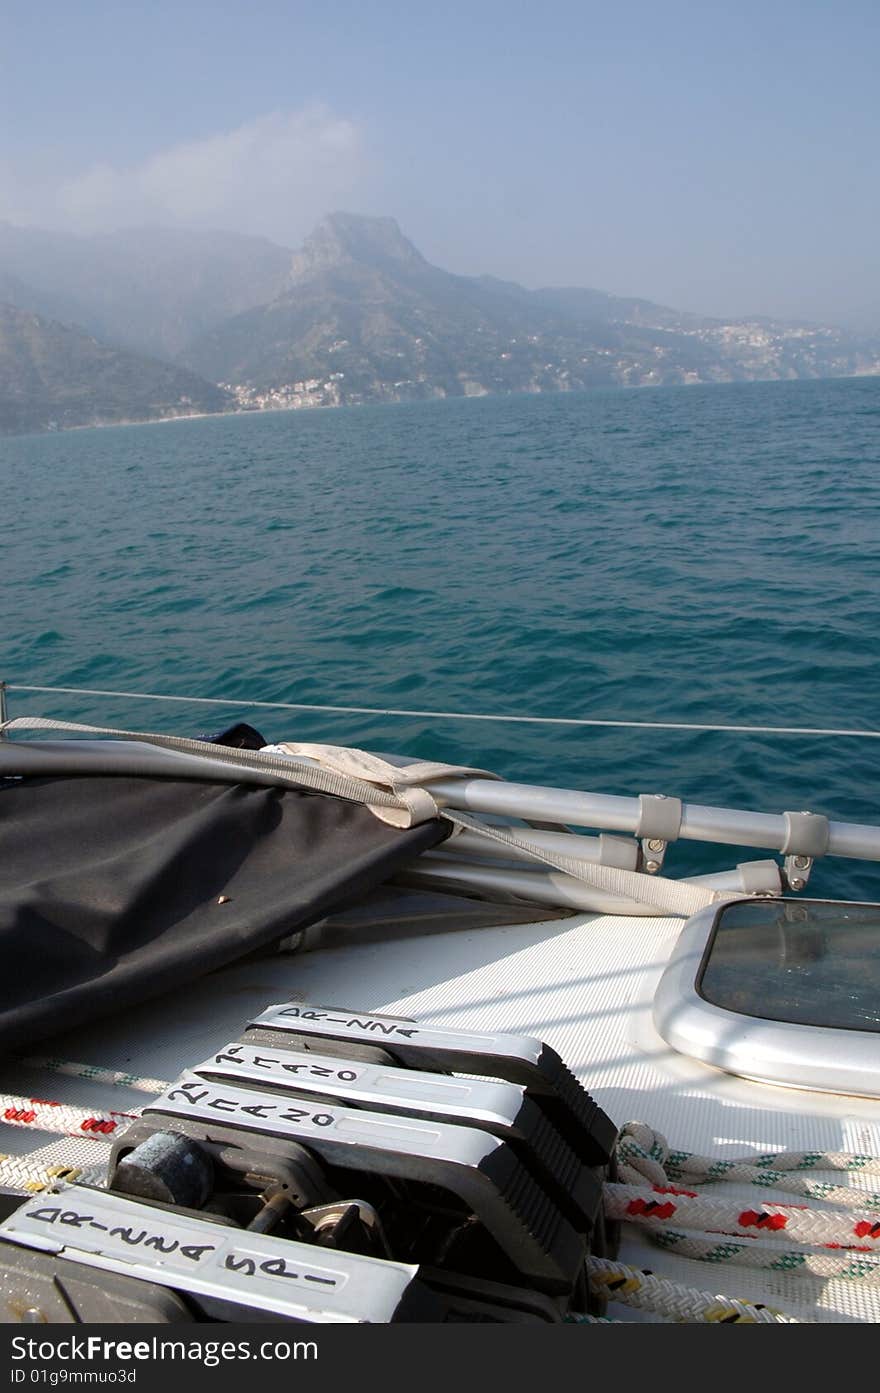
{"points": [[116, 889]]}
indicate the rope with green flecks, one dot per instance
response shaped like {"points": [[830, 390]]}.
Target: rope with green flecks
{"points": [[118, 1078], [710, 1230]]}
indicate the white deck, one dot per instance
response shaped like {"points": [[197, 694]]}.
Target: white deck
{"points": [[585, 985]]}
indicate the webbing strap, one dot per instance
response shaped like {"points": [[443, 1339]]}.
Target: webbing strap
{"points": [[666, 896], [287, 770], [406, 782]]}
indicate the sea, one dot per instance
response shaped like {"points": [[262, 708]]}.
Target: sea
{"points": [[705, 554]]}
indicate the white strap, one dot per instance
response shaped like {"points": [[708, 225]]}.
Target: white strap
{"points": [[406, 782], [667, 896], [282, 768]]}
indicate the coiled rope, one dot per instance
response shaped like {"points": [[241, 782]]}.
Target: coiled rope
{"points": [[778, 1237]]}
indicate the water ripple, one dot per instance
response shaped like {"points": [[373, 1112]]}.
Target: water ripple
{"points": [[702, 554]]}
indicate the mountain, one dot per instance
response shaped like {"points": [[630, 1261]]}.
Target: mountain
{"points": [[53, 375], [356, 315], [365, 309], [363, 316], [591, 307], [150, 289]]}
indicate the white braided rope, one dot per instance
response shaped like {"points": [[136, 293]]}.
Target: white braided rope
{"points": [[658, 1204], [24, 1173], [118, 1078], [582, 1318], [646, 1165], [647, 1292], [646, 1152], [766, 1256], [42, 1115]]}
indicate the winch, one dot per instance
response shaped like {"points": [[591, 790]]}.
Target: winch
{"points": [[333, 1166]]}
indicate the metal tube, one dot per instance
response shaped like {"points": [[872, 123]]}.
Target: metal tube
{"points": [[743, 880], [538, 887], [554, 843], [616, 814], [611, 813]]}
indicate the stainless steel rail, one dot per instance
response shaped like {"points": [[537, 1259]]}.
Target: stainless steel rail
{"points": [[611, 813]]}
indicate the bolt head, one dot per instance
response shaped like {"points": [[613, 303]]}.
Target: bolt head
{"points": [[796, 883], [652, 866], [655, 844]]}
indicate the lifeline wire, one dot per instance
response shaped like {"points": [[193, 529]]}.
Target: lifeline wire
{"points": [[450, 715]]}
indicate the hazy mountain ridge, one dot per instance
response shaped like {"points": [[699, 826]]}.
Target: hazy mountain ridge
{"points": [[54, 376], [356, 315], [365, 317], [147, 289]]}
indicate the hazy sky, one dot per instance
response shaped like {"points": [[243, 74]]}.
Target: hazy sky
{"points": [[719, 157]]}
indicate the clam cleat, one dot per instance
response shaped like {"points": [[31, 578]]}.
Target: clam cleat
{"points": [[501, 1108], [225, 1272], [514, 1058]]}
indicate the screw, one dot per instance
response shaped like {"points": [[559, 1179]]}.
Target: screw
{"points": [[802, 862], [652, 866], [655, 844], [796, 883]]}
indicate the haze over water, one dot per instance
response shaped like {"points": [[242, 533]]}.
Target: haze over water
{"points": [[706, 554]]}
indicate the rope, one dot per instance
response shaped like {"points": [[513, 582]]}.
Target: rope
{"points": [[20, 1173], [582, 1318], [643, 1153], [118, 1078], [657, 1204], [767, 1256], [647, 1292], [647, 1165], [452, 715], [45, 1116]]}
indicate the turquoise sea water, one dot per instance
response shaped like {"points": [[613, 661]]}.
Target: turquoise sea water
{"points": [[692, 554]]}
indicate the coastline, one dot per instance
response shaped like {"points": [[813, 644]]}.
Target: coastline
{"points": [[388, 401]]}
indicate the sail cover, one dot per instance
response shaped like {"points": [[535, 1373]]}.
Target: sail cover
{"points": [[114, 889]]}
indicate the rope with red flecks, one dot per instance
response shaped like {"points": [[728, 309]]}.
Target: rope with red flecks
{"points": [[31, 1175], [46, 1116], [685, 1221]]}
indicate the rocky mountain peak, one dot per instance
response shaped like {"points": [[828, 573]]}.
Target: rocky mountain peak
{"points": [[342, 238]]}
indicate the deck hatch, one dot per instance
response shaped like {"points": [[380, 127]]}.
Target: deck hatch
{"points": [[784, 992]]}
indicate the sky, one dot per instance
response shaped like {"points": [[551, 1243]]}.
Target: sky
{"points": [[718, 157]]}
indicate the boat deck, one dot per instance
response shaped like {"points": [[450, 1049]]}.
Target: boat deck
{"points": [[585, 985]]}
